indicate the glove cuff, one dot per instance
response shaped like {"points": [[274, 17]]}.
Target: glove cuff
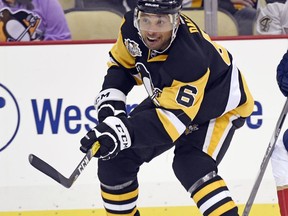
{"points": [[121, 130]]}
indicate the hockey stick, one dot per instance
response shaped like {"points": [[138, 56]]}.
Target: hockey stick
{"points": [[266, 159], [57, 176]]}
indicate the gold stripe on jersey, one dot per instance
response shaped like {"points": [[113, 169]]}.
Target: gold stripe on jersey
{"points": [[129, 214], [157, 58], [138, 78], [247, 108], [120, 53], [221, 50], [223, 208], [111, 63], [120, 197], [173, 126], [168, 96], [217, 133], [208, 189], [191, 25]]}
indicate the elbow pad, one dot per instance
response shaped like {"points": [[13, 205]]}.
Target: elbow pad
{"points": [[282, 74], [110, 102]]}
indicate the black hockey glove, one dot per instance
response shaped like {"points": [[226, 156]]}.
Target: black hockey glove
{"points": [[112, 135], [282, 74], [110, 102]]}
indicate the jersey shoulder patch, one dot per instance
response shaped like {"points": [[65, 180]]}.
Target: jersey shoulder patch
{"points": [[132, 47]]}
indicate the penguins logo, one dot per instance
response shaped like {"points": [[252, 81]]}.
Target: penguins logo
{"points": [[18, 26]]}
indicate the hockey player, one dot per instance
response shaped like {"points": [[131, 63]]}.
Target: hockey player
{"points": [[279, 159], [197, 99]]}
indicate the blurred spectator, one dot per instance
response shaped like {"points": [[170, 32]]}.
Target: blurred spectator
{"points": [[192, 3], [129, 4], [273, 18], [273, 1], [119, 5], [244, 11], [32, 20]]}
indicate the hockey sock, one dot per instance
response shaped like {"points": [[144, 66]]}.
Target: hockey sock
{"points": [[121, 202], [283, 201], [213, 198]]}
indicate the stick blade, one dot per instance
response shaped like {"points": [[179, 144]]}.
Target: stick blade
{"points": [[48, 170]]}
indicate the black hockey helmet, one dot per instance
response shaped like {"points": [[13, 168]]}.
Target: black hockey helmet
{"points": [[160, 6]]}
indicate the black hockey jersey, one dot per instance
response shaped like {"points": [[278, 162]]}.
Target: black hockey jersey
{"points": [[195, 80]]}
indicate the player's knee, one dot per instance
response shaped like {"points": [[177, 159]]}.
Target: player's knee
{"points": [[118, 170], [190, 168]]}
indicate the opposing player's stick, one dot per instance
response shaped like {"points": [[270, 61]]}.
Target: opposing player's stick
{"points": [[57, 176], [266, 159]]}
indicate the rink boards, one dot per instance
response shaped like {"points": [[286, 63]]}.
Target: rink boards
{"points": [[46, 106]]}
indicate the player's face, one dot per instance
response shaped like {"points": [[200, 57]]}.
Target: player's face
{"points": [[156, 30]]}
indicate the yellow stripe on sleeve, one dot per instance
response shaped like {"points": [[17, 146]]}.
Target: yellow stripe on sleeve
{"points": [[121, 54]]}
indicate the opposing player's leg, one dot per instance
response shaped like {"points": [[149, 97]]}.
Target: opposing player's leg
{"points": [[279, 162], [195, 165]]}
